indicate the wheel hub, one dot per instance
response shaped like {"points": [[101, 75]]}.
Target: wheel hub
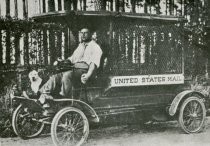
{"points": [[70, 129], [194, 115]]}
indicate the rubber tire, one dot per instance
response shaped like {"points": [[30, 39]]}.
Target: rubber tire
{"points": [[57, 118], [14, 116], [181, 123]]}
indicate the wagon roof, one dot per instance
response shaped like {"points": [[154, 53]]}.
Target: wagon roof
{"points": [[154, 17]]}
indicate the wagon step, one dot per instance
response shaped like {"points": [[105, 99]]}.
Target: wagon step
{"points": [[118, 111]]}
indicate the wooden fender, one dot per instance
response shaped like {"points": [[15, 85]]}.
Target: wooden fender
{"points": [[178, 98]]}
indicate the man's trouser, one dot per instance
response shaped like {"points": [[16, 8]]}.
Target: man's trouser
{"points": [[62, 83]]}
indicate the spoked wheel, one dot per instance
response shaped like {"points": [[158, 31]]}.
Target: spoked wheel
{"points": [[70, 127], [192, 115], [25, 124]]}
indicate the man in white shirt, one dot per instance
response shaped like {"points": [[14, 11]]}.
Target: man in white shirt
{"points": [[86, 59]]}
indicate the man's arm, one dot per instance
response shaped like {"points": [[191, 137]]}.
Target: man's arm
{"points": [[91, 70]]}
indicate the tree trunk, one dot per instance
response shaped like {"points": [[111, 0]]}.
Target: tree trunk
{"points": [[1, 48], [111, 6], [208, 10], [185, 8], [67, 5], [85, 4], [25, 39], [122, 5], [117, 5], [59, 5], [102, 4], [51, 5], [171, 7], [44, 6], [8, 43], [157, 8], [25, 9], [7, 8], [133, 6], [74, 2], [145, 7], [16, 9]]}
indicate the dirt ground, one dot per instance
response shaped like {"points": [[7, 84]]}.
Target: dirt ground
{"points": [[151, 134]]}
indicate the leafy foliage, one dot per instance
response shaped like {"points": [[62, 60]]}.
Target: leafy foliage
{"points": [[7, 82]]}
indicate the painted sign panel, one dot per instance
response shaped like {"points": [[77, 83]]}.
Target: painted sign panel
{"points": [[141, 80]]}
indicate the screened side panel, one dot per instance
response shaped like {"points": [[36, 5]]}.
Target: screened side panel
{"points": [[145, 49]]}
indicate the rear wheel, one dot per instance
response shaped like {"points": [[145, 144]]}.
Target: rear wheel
{"points": [[25, 124], [69, 127], [192, 115]]}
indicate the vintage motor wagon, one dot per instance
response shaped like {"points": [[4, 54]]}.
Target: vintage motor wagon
{"points": [[142, 71]]}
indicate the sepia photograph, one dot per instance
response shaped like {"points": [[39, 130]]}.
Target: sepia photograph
{"points": [[104, 72]]}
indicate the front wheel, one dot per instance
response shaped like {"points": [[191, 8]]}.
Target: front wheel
{"points": [[192, 115], [25, 123], [69, 127]]}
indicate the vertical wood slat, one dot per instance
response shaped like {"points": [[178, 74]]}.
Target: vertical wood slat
{"points": [[8, 46], [130, 46], [147, 42], [26, 48], [17, 49], [59, 44], [40, 48], [45, 49], [52, 46], [66, 43], [160, 64]]}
